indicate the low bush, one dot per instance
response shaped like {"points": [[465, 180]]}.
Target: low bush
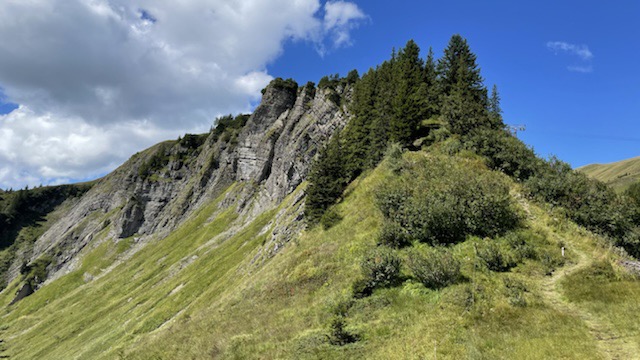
{"points": [[393, 235], [436, 268], [494, 257], [337, 333], [380, 268]]}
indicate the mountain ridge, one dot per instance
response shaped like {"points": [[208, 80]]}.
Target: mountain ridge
{"points": [[618, 174]]}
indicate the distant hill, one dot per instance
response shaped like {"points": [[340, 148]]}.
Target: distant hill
{"points": [[618, 174]]}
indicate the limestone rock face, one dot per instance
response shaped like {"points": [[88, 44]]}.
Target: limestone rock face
{"points": [[159, 188]]}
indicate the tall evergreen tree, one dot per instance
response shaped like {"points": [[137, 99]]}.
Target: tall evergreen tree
{"points": [[357, 133], [495, 111], [327, 180], [409, 102], [430, 80], [458, 67], [463, 94]]}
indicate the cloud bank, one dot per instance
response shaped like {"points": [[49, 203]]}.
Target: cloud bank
{"points": [[98, 80]]}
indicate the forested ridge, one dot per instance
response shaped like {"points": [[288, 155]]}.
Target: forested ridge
{"points": [[443, 103]]}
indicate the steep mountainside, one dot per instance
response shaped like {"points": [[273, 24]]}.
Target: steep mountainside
{"points": [[158, 189], [391, 216], [620, 175]]}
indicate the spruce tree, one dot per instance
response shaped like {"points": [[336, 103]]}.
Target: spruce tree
{"points": [[495, 111], [463, 94], [458, 67], [430, 80], [409, 102], [327, 180], [357, 133]]}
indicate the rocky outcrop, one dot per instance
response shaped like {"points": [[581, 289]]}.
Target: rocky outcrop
{"points": [[158, 189]]}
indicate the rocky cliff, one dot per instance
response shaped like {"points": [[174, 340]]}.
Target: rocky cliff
{"points": [[159, 188]]}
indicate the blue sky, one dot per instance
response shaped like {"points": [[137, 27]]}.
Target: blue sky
{"points": [[97, 81], [580, 117]]}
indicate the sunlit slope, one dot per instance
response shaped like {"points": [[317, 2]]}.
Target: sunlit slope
{"points": [[619, 174], [200, 294]]}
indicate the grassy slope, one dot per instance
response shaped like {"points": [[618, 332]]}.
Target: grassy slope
{"points": [[155, 306], [619, 174]]}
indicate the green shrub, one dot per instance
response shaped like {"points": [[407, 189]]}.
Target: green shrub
{"points": [[436, 268], [393, 235], [588, 202], [441, 200], [519, 244], [380, 268], [337, 333], [494, 257], [515, 291], [504, 153]]}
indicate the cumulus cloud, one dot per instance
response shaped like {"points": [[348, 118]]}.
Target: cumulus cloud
{"points": [[581, 51], [339, 21], [97, 80]]}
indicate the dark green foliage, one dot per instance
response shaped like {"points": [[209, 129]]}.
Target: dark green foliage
{"points": [[588, 202], [330, 81], [495, 111], [504, 152], [311, 89], [458, 69], [409, 101], [464, 103], [157, 161], [327, 180], [394, 235], [435, 268], [23, 208], [280, 83], [441, 200], [633, 192], [330, 218], [380, 268], [36, 273], [338, 335], [352, 77], [494, 257], [229, 125]]}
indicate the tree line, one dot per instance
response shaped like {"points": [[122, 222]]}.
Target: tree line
{"points": [[403, 100]]}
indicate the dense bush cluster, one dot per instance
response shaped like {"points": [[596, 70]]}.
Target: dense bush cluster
{"points": [[588, 202], [441, 200]]}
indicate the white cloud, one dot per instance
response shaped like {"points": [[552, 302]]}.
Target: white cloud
{"points": [[581, 51], [340, 19], [98, 80]]}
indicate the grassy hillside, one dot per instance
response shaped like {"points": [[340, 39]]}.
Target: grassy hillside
{"points": [[199, 294], [620, 175]]}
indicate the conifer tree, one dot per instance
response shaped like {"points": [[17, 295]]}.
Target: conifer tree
{"points": [[463, 94], [430, 80], [495, 111], [409, 102], [458, 66], [357, 133], [327, 180]]}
